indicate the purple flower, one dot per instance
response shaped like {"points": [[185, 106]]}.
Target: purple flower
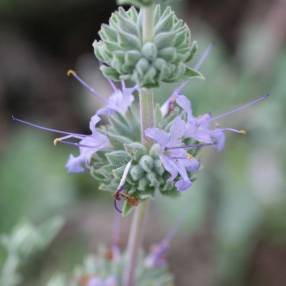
{"points": [[119, 100], [175, 161], [88, 144]]}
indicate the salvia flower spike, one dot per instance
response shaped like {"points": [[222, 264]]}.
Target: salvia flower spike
{"points": [[112, 152]]}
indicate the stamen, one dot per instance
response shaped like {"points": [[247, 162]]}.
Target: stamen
{"points": [[77, 144], [179, 158], [123, 86], [197, 67], [203, 57], [87, 86], [241, 107], [76, 135], [242, 131], [188, 157], [112, 85], [192, 146], [59, 139]]}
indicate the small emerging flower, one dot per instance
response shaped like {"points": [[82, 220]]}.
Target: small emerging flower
{"points": [[175, 161]]}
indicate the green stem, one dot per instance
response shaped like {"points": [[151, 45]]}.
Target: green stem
{"points": [[147, 120], [136, 232], [146, 100], [134, 244], [148, 23]]}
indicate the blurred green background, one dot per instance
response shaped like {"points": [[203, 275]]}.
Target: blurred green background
{"points": [[235, 232]]}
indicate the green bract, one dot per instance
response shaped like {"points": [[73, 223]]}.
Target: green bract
{"points": [[125, 56]]}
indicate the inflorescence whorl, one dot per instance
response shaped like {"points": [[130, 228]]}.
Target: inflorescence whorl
{"points": [[125, 55]]}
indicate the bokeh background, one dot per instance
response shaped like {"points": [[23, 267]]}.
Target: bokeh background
{"points": [[235, 214]]}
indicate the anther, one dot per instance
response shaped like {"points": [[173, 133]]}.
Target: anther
{"points": [[71, 73], [190, 156], [56, 141], [243, 132], [60, 139]]}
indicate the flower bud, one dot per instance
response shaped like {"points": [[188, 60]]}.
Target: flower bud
{"points": [[146, 163], [155, 151], [136, 173]]}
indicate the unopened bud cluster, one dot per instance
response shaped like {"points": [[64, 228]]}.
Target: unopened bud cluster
{"points": [[138, 3], [126, 56]]}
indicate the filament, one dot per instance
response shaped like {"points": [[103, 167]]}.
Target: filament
{"points": [[241, 107], [86, 85], [47, 129], [192, 146]]}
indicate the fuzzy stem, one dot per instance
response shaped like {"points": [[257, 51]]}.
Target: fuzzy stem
{"points": [[146, 100], [147, 121], [134, 244], [148, 23], [136, 232]]}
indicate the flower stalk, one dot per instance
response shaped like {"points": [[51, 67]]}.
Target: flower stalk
{"points": [[146, 101]]}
